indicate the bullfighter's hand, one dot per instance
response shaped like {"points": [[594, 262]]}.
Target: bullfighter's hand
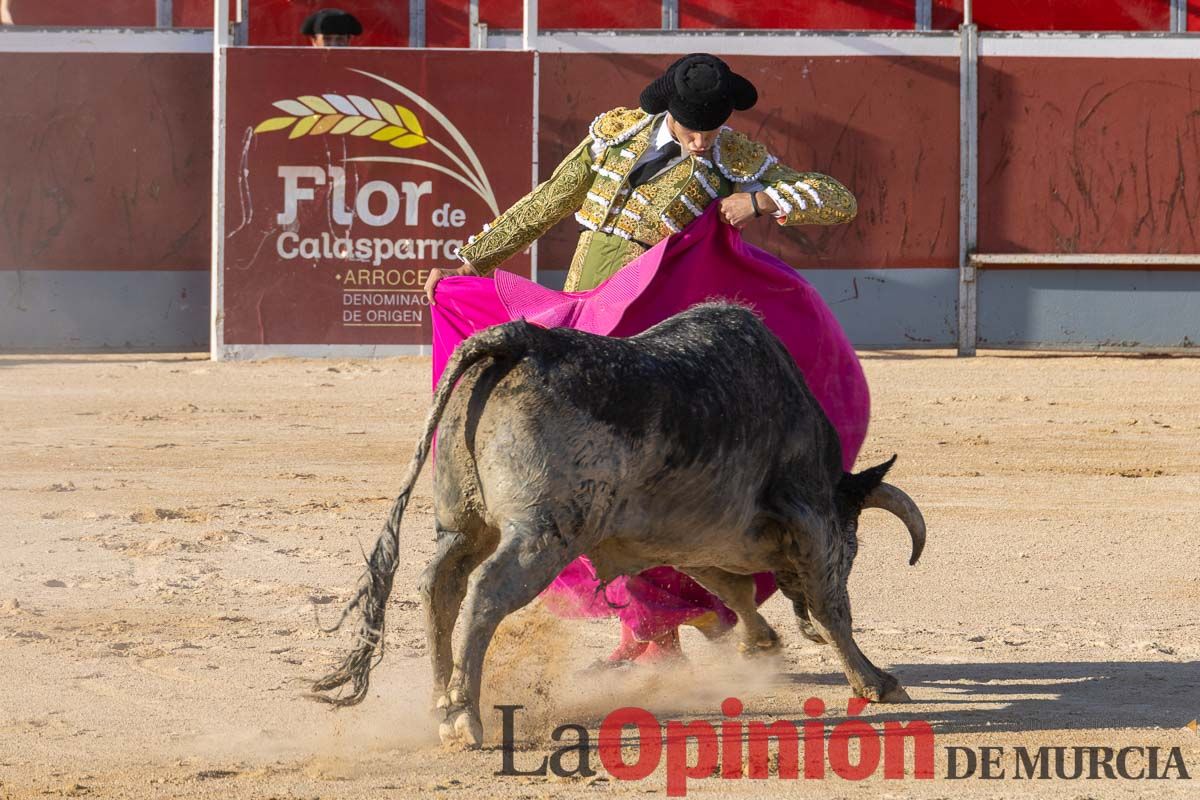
{"points": [[737, 210], [436, 275]]}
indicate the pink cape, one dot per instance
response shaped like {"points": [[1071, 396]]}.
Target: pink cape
{"points": [[708, 260]]}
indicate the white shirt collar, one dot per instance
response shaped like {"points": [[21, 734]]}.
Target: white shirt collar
{"points": [[662, 136]]}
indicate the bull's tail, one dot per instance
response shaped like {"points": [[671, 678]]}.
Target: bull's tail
{"points": [[503, 342]]}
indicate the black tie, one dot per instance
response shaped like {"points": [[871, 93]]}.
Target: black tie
{"points": [[651, 168]]}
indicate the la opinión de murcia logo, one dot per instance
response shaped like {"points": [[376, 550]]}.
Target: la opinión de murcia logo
{"points": [[1066, 763], [732, 749], [633, 744]]}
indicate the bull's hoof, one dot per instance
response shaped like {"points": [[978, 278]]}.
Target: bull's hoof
{"points": [[888, 691], [461, 728], [809, 631], [712, 626], [761, 647], [896, 695]]}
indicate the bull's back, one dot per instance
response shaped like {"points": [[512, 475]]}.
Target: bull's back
{"points": [[691, 414]]}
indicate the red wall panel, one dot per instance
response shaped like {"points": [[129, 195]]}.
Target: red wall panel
{"points": [[199, 13], [887, 128], [106, 159], [386, 21], [1088, 156], [446, 23], [571, 14], [110, 13], [1058, 15], [823, 14]]}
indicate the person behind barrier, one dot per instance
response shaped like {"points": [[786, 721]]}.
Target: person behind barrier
{"points": [[331, 27]]}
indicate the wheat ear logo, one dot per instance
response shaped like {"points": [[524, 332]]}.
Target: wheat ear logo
{"points": [[385, 122]]}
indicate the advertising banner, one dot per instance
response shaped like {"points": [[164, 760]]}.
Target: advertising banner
{"points": [[349, 175]]}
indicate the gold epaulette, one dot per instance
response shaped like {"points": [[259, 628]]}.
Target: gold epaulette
{"points": [[740, 158], [619, 125]]}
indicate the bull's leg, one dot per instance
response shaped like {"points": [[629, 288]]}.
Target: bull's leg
{"points": [[793, 589], [443, 587], [737, 592], [830, 608], [529, 557]]}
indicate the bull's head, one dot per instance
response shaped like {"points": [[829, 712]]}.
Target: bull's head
{"points": [[866, 489]]}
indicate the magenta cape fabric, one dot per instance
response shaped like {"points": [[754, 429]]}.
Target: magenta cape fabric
{"points": [[708, 260]]}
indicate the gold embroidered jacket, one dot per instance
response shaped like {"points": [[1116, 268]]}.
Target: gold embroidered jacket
{"points": [[594, 187]]}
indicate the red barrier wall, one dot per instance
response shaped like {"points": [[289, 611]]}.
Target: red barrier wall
{"points": [[1100, 15], [277, 22], [825, 14], [199, 13], [106, 160], [123, 13], [1058, 15], [1077, 155], [886, 127], [1090, 156]]}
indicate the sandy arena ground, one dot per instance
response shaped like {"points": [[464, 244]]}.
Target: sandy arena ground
{"points": [[170, 524]]}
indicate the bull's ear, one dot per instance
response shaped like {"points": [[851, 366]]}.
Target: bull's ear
{"points": [[854, 487]]}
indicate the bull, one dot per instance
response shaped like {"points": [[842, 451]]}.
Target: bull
{"points": [[695, 444]]}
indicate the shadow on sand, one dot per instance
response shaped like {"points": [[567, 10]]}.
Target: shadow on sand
{"points": [[1039, 695]]}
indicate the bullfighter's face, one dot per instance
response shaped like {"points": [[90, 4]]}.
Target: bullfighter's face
{"points": [[694, 143]]}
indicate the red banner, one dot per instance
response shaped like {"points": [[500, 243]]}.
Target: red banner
{"points": [[350, 174]]}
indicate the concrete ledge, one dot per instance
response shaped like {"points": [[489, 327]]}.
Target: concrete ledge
{"points": [[132, 310], [1089, 309], [84, 310]]}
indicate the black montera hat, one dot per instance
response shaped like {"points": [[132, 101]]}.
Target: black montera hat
{"points": [[331, 22], [700, 91]]}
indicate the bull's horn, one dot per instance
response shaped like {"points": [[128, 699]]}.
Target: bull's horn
{"points": [[889, 498]]}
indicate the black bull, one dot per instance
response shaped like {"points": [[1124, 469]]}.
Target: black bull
{"points": [[696, 444]]}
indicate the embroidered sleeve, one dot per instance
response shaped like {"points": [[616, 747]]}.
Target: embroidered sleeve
{"points": [[803, 198], [534, 214], [808, 198]]}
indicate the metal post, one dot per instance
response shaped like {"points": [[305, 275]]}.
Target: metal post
{"points": [[535, 157], [529, 25], [968, 210], [670, 15], [1179, 16], [220, 46], [473, 24], [164, 16], [416, 23], [241, 24], [968, 16], [924, 17]]}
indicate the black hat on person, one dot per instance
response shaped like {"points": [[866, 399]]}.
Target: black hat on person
{"points": [[700, 91], [331, 22]]}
